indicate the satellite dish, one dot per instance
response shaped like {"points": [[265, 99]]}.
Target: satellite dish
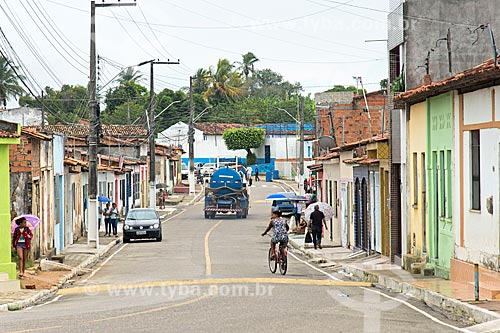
{"points": [[327, 142]]}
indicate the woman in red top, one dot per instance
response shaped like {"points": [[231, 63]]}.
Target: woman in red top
{"points": [[21, 242]]}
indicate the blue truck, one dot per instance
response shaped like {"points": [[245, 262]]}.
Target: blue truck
{"points": [[226, 194]]}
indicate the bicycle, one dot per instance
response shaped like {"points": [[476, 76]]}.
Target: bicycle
{"points": [[281, 260]]}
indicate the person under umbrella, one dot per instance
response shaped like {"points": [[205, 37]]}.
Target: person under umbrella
{"points": [[21, 242]]}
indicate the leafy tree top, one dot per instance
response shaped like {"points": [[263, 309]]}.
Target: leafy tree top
{"points": [[243, 138], [9, 85], [337, 88]]}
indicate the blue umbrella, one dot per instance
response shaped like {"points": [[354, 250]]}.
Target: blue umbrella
{"points": [[298, 198], [280, 196], [102, 198]]}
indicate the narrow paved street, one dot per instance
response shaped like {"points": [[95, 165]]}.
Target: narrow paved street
{"points": [[212, 275]]}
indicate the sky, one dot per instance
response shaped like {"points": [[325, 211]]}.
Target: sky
{"points": [[319, 43]]}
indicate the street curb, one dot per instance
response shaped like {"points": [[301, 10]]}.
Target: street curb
{"points": [[198, 196], [19, 305], [286, 184], [471, 312], [431, 298]]}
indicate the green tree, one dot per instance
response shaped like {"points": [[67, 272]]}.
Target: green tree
{"points": [[244, 138], [69, 104], [128, 91], [202, 82], [225, 84], [9, 85], [247, 64], [124, 114], [337, 88]]}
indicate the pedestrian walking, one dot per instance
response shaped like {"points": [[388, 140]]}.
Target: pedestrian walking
{"points": [[114, 216], [316, 222], [100, 217], [107, 220], [21, 242], [163, 198], [297, 212], [257, 173], [249, 175]]}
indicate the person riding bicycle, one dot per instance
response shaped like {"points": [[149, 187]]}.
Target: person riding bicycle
{"points": [[280, 228]]}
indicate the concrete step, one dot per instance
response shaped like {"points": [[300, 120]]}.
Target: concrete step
{"points": [[4, 276], [10, 285], [488, 290]]}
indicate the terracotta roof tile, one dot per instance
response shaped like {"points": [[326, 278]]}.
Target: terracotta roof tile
{"points": [[6, 135], [215, 128], [117, 131], [485, 73]]}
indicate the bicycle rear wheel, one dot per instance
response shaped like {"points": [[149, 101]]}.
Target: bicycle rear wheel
{"points": [[272, 261], [283, 261]]}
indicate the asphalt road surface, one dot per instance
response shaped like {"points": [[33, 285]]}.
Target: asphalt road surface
{"points": [[212, 276]]}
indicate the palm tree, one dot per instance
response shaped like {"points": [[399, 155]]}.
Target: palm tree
{"points": [[129, 74], [9, 86], [225, 84], [202, 83], [247, 65]]}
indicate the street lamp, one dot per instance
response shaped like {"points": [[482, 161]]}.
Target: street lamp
{"points": [[201, 114], [191, 133], [152, 129], [165, 109]]}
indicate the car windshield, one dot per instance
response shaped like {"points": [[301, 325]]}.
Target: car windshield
{"points": [[141, 215], [184, 166]]}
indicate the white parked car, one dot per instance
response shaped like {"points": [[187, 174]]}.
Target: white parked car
{"points": [[208, 168], [184, 171]]}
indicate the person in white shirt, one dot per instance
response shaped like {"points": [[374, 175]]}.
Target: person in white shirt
{"points": [[298, 212], [249, 175]]}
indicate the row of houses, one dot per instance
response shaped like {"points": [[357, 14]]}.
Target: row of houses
{"points": [[48, 176], [445, 188], [278, 152]]}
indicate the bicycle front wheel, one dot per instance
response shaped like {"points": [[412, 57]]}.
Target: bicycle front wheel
{"points": [[272, 261]]}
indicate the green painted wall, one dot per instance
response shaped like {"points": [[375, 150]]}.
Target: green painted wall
{"points": [[439, 182], [5, 238]]}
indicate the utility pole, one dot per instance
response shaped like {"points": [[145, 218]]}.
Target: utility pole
{"points": [[301, 148], [191, 133], [43, 114], [152, 128], [93, 234]]}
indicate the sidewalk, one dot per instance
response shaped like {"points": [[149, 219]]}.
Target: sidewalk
{"points": [[77, 259], [453, 297]]}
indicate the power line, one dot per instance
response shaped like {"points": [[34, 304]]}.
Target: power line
{"points": [[55, 39], [296, 31], [32, 47], [266, 36], [403, 15]]}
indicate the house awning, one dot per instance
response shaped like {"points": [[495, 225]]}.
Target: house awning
{"points": [[315, 167]]}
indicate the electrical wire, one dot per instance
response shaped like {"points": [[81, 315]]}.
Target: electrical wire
{"points": [[57, 49], [403, 15], [296, 31], [31, 45], [59, 33], [309, 47], [161, 44]]}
